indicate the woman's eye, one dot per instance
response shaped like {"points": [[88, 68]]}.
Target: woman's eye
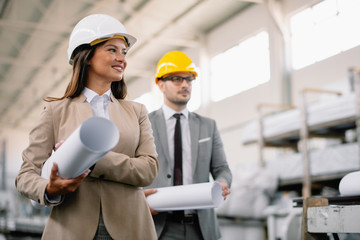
{"points": [[124, 53], [112, 50]]}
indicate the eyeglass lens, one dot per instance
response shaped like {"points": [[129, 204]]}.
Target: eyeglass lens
{"points": [[179, 80]]}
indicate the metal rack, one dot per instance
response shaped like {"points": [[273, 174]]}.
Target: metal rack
{"points": [[262, 142], [320, 215], [298, 139], [328, 215], [304, 138]]}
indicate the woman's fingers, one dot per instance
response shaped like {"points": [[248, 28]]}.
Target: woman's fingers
{"points": [[57, 145], [59, 186]]}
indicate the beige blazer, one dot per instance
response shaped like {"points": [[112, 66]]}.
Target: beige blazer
{"points": [[115, 184]]}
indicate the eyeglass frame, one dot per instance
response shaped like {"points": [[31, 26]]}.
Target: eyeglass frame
{"points": [[178, 81]]}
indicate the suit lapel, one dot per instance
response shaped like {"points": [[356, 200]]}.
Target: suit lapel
{"points": [[119, 115], [83, 110], [194, 125], [160, 128], [115, 111]]}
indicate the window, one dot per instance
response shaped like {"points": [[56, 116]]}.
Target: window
{"points": [[324, 30], [195, 100], [152, 99], [240, 68]]}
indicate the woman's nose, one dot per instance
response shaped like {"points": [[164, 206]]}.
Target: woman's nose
{"points": [[120, 57]]}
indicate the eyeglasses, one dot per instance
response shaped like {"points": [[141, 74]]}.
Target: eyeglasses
{"points": [[177, 80]]}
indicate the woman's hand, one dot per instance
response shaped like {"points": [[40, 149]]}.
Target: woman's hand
{"points": [[59, 186], [58, 145], [148, 192]]}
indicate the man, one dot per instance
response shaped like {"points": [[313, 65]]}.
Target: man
{"points": [[202, 151]]}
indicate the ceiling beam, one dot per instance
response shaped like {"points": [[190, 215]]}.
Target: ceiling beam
{"points": [[19, 61], [253, 1], [32, 26], [178, 42], [3, 9], [167, 26]]}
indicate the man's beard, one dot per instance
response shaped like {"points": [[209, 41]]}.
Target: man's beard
{"points": [[180, 102]]}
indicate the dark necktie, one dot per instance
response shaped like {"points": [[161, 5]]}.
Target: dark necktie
{"points": [[178, 161], [177, 152]]}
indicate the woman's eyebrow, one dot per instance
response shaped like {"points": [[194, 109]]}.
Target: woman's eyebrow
{"points": [[110, 45], [113, 45]]}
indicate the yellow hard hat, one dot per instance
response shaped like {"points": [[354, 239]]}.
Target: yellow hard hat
{"points": [[172, 62]]}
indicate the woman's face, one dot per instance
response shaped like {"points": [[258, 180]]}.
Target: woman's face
{"points": [[108, 63]]}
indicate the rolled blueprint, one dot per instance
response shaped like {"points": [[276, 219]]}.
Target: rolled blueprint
{"points": [[94, 138], [349, 184], [183, 197]]}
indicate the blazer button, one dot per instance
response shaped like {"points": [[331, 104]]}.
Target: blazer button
{"points": [[168, 176]]}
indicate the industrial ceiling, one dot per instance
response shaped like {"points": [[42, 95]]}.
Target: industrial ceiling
{"points": [[34, 39]]}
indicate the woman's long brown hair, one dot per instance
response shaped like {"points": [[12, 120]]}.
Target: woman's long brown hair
{"points": [[82, 56]]}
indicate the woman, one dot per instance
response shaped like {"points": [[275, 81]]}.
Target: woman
{"points": [[106, 202]]}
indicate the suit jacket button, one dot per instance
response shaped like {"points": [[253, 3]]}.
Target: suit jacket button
{"points": [[168, 176]]}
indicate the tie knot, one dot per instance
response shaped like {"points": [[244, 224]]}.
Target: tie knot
{"points": [[177, 115]]}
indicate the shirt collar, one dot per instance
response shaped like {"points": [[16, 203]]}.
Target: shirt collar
{"points": [[169, 112], [90, 94]]}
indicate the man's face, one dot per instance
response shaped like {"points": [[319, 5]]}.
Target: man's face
{"points": [[177, 92]]}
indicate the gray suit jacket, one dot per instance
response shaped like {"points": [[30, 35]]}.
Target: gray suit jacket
{"points": [[207, 157]]}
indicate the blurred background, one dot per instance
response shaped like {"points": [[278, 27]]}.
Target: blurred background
{"points": [[279, 77]]}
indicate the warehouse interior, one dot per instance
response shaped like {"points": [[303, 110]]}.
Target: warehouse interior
{"points": [[280, 77]]}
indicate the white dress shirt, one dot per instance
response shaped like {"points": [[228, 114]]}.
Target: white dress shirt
{"points": [[99, 104], [185, 137]]}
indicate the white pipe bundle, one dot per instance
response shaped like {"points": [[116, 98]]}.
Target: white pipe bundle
{"points": [[350, 184], [94, 138], [183, 197]]}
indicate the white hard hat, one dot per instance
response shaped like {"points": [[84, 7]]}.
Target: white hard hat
{"points": [[95, 27]]}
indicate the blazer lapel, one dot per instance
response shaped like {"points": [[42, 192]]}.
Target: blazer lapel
{"points": [[160, 130], [83, 110], [194, 125], [115, 111]]}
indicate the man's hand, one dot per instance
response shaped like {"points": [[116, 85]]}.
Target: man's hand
{"points": [[225, 188], [148, 192]]}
